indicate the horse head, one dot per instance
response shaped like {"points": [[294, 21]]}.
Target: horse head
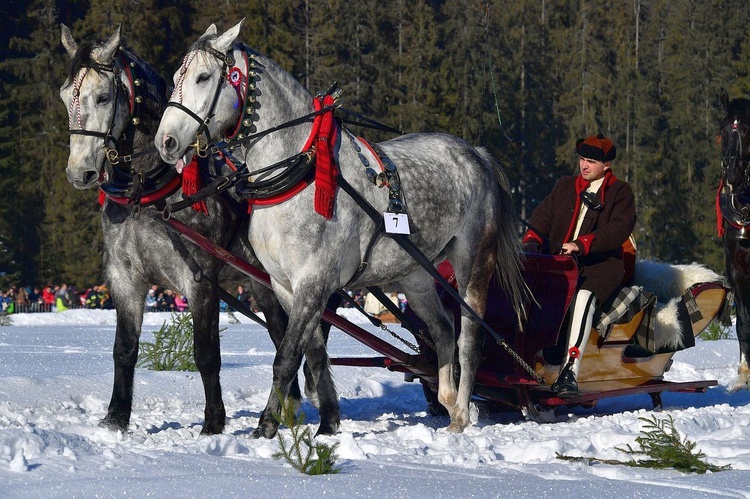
{"points": [[114, 101], [735, 143], [217, 96]]}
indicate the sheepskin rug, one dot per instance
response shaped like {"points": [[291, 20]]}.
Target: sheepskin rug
{"points": [[668, 282]]}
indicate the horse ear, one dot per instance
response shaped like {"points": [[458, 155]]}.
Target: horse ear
{"points": [[68, 42], [724, 99], [106, 53], [210, 31], [227, 38]]}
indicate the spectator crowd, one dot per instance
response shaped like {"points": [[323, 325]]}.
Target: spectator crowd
{"points": [[57, 298]]}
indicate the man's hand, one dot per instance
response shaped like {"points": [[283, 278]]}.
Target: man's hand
{"points": [[569, 248]]}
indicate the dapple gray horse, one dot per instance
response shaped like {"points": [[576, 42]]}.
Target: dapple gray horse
{"points": [[457, 201], [115, 101]]}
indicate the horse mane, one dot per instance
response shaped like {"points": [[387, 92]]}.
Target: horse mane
{"points": [[155, 89], [82, 59]]}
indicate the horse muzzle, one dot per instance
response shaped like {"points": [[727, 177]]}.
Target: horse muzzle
{"points": [[86, 178]]}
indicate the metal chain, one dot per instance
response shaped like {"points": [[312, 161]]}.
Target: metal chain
{"points": [[522, 362], [402, 340]]}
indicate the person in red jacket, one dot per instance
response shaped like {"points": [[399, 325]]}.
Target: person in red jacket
{"points": [[590, 216]]}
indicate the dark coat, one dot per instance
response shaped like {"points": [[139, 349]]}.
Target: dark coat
{"points": [[601, 236]]}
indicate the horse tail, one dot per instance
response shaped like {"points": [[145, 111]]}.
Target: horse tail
{"points": [[509, 264]]}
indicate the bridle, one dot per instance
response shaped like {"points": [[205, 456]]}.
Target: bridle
{"points": [[125, 185], [114, 154], [732, 201], [733, 158], [234, 77]]}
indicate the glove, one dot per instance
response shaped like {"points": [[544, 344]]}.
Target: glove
{"points": [[532, 247]]}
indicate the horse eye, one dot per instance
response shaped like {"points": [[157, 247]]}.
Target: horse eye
{"points": [[102, 99], [203, 77]]}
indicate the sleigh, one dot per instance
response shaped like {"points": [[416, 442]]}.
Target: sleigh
{"points": [[629, 356], [626, 353]]}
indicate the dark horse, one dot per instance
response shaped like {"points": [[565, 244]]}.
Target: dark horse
{"points": [[115, 101], [734, 218]]}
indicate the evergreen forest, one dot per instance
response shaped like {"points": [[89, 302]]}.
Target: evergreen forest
{"points": [[523, 78]]}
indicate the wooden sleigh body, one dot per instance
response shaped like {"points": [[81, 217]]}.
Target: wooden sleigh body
{"points": [[626, 359]]}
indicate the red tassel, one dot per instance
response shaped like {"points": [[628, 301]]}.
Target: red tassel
{"points": [[325, 164], [191, 183], [102, 197]]}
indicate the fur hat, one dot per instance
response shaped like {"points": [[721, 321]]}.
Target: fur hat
{"points": [[597, 147]]}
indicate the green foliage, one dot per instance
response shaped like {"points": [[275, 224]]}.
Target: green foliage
{"points": [[172, 349], [522, 79], [5, 319], [666, 449], [715, 331], [303, 453]]}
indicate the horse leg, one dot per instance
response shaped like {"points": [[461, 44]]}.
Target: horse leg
{"points": [[129, 300], [742, 300], [474, 292], [318, 380], [736, 263], [424, 300], [277, 321], [204, 304], [317, 362], [306, 309]]}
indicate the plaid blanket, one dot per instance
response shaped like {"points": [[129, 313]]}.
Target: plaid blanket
{"points": [[621, 309]]}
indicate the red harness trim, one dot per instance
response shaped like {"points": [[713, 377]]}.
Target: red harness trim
{"points": [[372, 151], [323, 137], [166, 191]]}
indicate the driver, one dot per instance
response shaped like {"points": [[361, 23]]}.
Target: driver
{"points": [[589, 216]]}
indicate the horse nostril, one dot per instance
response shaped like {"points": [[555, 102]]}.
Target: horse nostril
{"points": [[89, 176], [170, 144]]}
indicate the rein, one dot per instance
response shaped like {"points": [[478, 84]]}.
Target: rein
{"points": [[733, 204]]}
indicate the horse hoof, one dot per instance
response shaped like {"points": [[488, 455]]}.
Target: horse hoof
{"points": [[330, 428], [455, 428], [113, 424], [212, 429], [740, 385], [267, 432]]}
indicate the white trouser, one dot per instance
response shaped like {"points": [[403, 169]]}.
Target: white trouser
{"points": [[582, 318]]}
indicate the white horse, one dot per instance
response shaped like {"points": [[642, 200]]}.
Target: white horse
{"points": [[115, 101], [456, 198]]}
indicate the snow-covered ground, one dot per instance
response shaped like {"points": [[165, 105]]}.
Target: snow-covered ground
{"points": [[55, 382]]}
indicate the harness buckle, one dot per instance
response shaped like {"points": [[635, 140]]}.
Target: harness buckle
{"points": [[112, 156], [201, 149]]}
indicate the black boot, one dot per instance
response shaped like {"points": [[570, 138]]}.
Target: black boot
{"points": [[566, 385]]}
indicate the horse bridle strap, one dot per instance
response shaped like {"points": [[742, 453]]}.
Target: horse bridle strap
{"points": [[227, 61]]}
